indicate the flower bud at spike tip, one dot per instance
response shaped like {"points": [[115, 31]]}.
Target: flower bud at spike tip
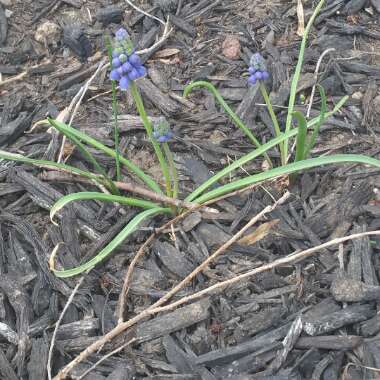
{"points": [[123, 58], [124, 83], [257, 62], [162, 132], [121, 34]]}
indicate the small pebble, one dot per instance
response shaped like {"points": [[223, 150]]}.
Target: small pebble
{"points": [[231, 47]]}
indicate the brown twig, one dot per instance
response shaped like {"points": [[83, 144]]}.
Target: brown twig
{"points": [[160, 197], [115, 351], [56, 175], [68, 303]]}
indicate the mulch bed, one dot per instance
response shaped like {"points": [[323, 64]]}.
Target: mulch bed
{"points": [[314, 319]]}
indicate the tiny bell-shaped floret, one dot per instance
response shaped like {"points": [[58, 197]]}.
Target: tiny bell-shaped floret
{"points": [[124, 83], [121, 34], [135, 60], [114, 75]]}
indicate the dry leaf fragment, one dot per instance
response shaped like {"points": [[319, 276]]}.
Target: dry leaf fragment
{"points": [[164, 53], [259, 233], [301, 18]]}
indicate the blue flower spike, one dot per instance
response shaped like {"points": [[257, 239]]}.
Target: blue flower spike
{"points": [[257, 69], [126, 64], [161, 131]]}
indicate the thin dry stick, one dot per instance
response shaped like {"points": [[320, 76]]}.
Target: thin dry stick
{"points": [[56, 176], [144, 13], [316, 77], [153, 310], [351, 364], [13, 79], [78, 100], [105, 357], [292, 258], [164, 37], [68, 303], [161, 198]]}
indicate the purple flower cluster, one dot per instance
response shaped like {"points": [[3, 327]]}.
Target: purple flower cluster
{"points": [[162, 132], [257, 69], [126, 64]]}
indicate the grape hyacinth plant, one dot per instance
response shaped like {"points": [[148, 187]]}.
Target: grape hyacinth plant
{"points": [[126, 70]]}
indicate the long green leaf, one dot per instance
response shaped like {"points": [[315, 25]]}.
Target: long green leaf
{"points": [[48, 164], [149, 131], [301, 136], [98, 145], [273, 116], [297, 73], [252, 155], [287, 169], [235, 118], [90, 157], [90, 195], [314, 135], [114, 243]]}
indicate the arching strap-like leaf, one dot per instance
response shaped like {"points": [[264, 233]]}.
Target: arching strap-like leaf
{"points": [[90, 195], [287, 169], [114, 243]]}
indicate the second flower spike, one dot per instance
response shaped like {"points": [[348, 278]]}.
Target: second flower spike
{"points": [[257, 69], [126, 64], [161, 131]]}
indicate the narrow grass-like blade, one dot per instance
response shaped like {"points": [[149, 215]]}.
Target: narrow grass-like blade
{"points": [[301, 136], [98, 145], [114, 243], [90, 157], [90, 195], [315, 133], [48, 164], [250, 156], [297, 73], [235, 118], [285, 170]]}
